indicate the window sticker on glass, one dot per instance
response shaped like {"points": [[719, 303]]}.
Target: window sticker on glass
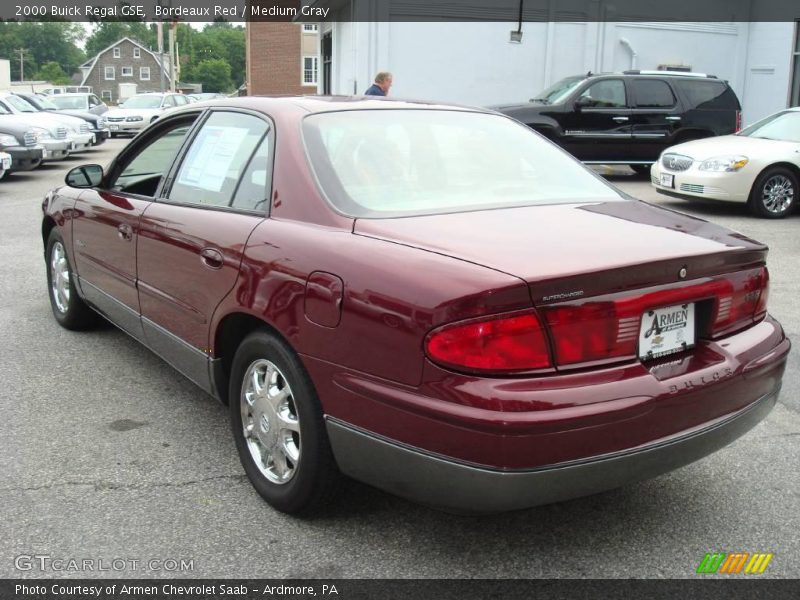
{"points": [[210, 157]]}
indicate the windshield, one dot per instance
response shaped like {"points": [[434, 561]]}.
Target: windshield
{"points": [[382, 163], [558, 91], [73, 102], [20, 104], [142, 102], [42, 103], [784, 126]]}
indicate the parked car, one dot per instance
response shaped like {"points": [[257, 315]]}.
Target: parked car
{"points": [[205, 96], [29, 143], [80, 102], [5, 164], [137, 112], [759, 165], [19, 140], [76, 130], [97, 124], [431, 299], [69, 89], [630, 117]]}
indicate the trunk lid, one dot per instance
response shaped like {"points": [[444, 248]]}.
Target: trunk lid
{"points": [[570, 251]]}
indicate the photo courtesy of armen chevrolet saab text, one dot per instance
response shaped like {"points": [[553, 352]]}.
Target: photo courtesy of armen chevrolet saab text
{"points": [[432, 299]]}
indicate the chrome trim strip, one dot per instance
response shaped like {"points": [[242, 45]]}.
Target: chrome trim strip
{"points": [[119, 313]]}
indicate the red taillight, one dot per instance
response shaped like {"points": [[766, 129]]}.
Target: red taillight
{"points": [[607, 329], [742, 302], [738, 121], [500, 344]]}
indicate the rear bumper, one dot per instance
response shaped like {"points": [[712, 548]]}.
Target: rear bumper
{"points": [[450, 442], [429, 479]]}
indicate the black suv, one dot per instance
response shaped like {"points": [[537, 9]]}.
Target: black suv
{"points": [[630, 117]]}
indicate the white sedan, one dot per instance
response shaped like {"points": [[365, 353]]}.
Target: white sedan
{"points": [[137, 112], [759, 166]]}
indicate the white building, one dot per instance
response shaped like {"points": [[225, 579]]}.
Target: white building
{"points": [[477, 63]]}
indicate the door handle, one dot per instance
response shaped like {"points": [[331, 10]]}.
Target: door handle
{"points": [[673, 118], [125, 232], [212, 258], [619, 119]]}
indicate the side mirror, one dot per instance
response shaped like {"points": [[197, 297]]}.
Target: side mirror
{"points": [[86, 176], [583, 102]]}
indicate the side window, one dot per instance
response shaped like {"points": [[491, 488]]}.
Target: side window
{"points": [[143, 172], [169, 101], [652, 93], [93, 101], [217, 159], [256, 184], [609, 93], [704, 94], [180, 100]]}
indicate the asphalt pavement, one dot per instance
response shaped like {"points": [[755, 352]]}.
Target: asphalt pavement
{"points": [[107, 454]]}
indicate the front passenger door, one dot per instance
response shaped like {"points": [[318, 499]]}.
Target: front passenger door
{"points": [[598, 127], [106, 224]]}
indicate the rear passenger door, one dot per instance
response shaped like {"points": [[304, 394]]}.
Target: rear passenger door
{"points": [[192, 238], [655, 117]]}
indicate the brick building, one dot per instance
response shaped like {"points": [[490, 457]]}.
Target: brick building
{"points": [[282, 58]]}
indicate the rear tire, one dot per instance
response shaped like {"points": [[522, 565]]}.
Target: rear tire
{"points": [[774, 194], [278, 427], [69, 309]]}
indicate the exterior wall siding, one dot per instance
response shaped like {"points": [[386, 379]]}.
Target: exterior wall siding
{"points": [[100, 84]]}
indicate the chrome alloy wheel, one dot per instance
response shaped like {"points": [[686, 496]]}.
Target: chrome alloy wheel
{"points": [[270, 422], [777, 193], [59, 277]]}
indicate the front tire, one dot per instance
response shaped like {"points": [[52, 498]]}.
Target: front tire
{"points": [[774, 194], [278, 427], [641, 170], [69, 309]]}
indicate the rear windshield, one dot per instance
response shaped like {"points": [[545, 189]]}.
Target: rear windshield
{"points": [[705, 94], [383, 163]]}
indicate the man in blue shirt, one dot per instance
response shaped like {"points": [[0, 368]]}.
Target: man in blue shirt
{"points": [[383, 81]]}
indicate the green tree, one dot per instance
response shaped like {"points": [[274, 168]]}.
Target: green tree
{"points": [[54, 41], [52, 72], [214, 74]]}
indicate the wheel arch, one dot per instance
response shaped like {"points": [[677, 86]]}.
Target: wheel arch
{"points": [[778, 165], [231, 330], [48, 224]]}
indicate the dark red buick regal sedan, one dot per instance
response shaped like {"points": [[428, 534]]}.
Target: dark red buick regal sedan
{"points": [[431, 299]]}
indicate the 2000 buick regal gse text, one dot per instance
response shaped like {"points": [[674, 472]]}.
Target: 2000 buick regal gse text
{"points": [[431, 299]]}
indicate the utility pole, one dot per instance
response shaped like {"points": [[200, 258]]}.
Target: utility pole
{"points": [[172, 74], [160, 33], [21, 52]]}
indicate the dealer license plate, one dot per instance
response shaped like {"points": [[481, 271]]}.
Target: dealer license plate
{"points": [[667, 180], [666, 331], [113, 127], [6, 164]]}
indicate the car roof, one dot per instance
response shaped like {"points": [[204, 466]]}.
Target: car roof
{"points": [[67, 94], [322, 104]]}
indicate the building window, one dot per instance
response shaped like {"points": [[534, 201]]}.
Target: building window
{"points": [[309, 27], [105, 94], [117, 52], [794, 99], [144, 73], [310, 69], [110, 73], [127, 71], [137, 53]]}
